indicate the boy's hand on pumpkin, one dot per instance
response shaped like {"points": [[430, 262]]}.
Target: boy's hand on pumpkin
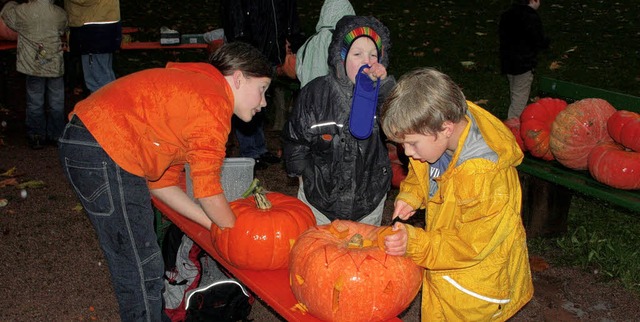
{"points": [[403, 210], [376, 71], [396, 244]]}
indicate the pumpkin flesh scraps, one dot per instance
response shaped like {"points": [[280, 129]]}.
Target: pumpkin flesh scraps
{"points": [[344, 281], [262, 238]]}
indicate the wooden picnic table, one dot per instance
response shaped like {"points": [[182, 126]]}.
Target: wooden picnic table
{"points": [[271, 286]]}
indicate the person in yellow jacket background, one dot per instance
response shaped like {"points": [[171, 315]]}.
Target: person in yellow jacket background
{"points": [[131, 139], [474, 244]]}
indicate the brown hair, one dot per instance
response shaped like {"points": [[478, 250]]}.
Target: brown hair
{"points": [[243, 57], [420, 103]]}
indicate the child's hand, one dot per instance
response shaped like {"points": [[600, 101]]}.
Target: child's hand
{"points": [[376, 71], [396, 244], [402, 210]]}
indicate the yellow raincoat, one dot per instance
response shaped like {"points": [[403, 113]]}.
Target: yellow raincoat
{"points": [[474, 243]]}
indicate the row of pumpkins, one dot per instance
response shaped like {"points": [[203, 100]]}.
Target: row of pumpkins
{"points": [[586, 134], [337, 272]]}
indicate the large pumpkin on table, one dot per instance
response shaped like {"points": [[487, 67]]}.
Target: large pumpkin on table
{"points": [[624, 128], [266, 227], [611, 164], [577, 129], [340, 273], [535, 125]]}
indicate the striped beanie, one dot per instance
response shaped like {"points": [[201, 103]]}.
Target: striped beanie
{"points": [[354, 34]]}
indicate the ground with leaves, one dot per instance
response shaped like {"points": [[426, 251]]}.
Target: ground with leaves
{"points": [[53, 268]]}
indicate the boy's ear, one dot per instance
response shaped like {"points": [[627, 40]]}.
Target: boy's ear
{"points": [[447, 128], [237, 78]]}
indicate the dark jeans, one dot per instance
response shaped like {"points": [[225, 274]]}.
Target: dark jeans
{"points": [[119, 207]]}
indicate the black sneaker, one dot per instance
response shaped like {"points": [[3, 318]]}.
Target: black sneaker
{"points": [[269, 157], [36, 142]]}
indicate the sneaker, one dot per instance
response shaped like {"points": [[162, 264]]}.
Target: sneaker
{"points": [[36, 142], [269, 157]]}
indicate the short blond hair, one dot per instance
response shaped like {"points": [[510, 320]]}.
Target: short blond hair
{"points": [[420, 103]]}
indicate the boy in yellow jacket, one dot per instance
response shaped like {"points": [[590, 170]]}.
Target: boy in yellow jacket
{"points": [[474, 244]]}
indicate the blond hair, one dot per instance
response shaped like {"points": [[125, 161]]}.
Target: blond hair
{"points": [[420, 103]]}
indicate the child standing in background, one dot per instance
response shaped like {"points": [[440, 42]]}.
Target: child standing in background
{"points": [[342, 177], [40, 25], [521, 38], [474, 244]]}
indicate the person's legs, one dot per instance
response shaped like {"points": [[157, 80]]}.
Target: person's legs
{"points": [[519, 89], [35, 116], [321, 219], [250, 136], [56, 114], [375, 217], [118, 205], [97, 70]]}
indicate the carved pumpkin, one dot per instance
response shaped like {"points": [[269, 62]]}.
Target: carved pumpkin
{"points": [[535, 125], [339, 272], [577, 129], [624, 128], [513, 124], [266, 226], [612, 165]]}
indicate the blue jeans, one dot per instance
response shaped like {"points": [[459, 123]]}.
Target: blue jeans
{"points": [[250, 135], [118, 205], [40, 120], [97, 70]]}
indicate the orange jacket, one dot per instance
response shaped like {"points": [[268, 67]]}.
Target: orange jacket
{"points": [[154, 121]]}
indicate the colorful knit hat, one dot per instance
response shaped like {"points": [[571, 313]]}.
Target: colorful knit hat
{"points": [[354, 34]]}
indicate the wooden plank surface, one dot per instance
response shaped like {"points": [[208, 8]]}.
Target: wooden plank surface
{"points": [[145, 45]]}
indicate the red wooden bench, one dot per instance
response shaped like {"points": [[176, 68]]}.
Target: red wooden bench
{"points": [[8, 45], [271, 286]]}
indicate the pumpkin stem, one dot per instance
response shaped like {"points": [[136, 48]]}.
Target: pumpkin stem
{"points": [[259, 193]]}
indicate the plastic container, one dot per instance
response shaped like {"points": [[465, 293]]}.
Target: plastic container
{"points": [[237, 174]]}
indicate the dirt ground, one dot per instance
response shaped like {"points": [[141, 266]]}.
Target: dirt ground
{"points": [[53, 270]]}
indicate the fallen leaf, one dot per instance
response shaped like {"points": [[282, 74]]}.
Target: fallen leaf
{"points": [[467, 64], [481, 33], [9, 173], [8, 182], [572, 49], [418, 53], [77, 208], [538, 264], [481, 101], [555, 65], [31, 184], [3, 202]]}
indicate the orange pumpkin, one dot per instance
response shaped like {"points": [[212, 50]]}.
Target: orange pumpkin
{"points": [[535, 125], [267, 225], [577, 129], [513, 124], [611, 164], [624, 128], [338, 272]]}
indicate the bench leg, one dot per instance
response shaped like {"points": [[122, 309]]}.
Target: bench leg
{"points": [[545, 206]]}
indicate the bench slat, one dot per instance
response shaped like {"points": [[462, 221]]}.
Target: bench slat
{"points": [[573, 92], [580, 181]]}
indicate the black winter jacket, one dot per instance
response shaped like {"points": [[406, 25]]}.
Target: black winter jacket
{"points": [[265, 24], [521, 38], [344, 177]]}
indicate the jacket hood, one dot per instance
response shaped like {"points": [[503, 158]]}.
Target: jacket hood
{"points": [[344, 26], [332, 11]]}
